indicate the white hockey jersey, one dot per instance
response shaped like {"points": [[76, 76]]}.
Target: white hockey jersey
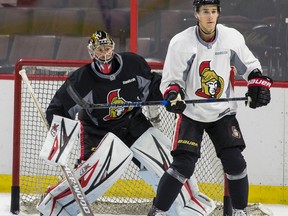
{"points": [[202, 69]]}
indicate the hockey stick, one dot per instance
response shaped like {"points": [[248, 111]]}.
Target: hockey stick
{"points": [[161, 102], [86, 105], [73, 182]]}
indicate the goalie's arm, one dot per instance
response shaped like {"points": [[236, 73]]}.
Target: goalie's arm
{"points": [[61, 104], [154, 91], [54, 109]]}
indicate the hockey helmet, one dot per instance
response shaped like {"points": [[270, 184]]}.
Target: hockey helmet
{"points": [[101, 46], [198, 3]]}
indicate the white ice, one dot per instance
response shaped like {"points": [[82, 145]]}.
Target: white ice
{"points": [[276, 210]]}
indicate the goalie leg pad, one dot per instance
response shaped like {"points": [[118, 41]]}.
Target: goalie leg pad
{"points": [[96, 175], [151, 150], [192, 202]]}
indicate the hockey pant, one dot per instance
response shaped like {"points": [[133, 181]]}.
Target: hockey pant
{"points": [[96, 175], [152, 151]]}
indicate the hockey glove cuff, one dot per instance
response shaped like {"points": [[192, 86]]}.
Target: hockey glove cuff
{"points": [[175, 95], [258, 89]]}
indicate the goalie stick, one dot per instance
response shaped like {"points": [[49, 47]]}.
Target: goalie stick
{"points": [[86, 105], [73, 182]]}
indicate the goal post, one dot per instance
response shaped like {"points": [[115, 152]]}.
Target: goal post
{"points": [[31, 176]]}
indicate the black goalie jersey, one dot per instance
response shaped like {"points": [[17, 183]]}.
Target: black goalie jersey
{"points": [[131, 80]]}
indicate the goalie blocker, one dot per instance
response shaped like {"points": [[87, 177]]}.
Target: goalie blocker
{"points": [[108, 163]]}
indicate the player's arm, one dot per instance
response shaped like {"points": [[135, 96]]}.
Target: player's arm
{"points": [[153, 112], [248, 66], [54, 108], [154, 87], [148, 81], [173, 84], [56, 105], [258, 89]]}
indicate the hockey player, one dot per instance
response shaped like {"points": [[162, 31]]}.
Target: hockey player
{"points": [[114, 78], [197, 65]]}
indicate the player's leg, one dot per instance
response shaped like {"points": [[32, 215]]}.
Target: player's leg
{"points": [[152, 151], [95, 175], [186, 151], [228, 140]]}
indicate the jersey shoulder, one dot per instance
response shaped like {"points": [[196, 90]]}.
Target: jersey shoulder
{"points": [[130, 56], [229, 32], [78, 74], [133, 61], [184, 39]]}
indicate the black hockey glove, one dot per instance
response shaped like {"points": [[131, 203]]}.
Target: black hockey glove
{"points": [[175, 95], [258, 89]]}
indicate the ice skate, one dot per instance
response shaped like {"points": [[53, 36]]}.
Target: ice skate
{"points": [[239, 212], [156, 212]]}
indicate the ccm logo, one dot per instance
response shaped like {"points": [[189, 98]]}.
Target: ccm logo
{"points": [[259, 82]]}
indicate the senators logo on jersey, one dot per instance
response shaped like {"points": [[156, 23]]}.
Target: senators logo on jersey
{"points": [[211, 84], [116, 112]]}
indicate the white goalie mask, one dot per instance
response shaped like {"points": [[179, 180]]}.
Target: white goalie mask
{"points": [[101, 49]]}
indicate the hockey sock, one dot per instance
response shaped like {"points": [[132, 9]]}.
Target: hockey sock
{"points": [[238, 190], [168, 190]]}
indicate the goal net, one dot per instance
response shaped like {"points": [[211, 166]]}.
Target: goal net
{"points": [[130, 194]]}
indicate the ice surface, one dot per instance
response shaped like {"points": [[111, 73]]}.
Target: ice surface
{"points": [[277, 210]]}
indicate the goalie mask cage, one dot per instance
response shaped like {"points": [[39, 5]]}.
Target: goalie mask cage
{"points": [[31, 176]]}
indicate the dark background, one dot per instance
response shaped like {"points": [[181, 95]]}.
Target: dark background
{"points": [[60, 29]]}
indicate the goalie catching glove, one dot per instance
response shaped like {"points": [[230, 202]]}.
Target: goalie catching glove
{"points": [[258, 89], [175, 95]]}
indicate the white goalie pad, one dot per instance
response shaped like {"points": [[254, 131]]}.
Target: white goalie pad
{"points": [[153, 114], [150, 149], [60, 140], [192, 202], [96, 175]]}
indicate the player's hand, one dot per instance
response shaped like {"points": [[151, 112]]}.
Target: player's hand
{"points": [[258, 90], [175, 95]]}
